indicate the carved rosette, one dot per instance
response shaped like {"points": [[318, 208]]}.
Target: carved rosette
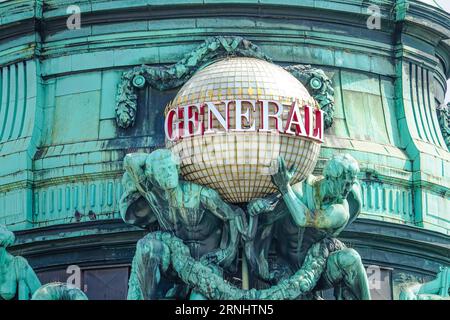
{"points": [[214, 48]]}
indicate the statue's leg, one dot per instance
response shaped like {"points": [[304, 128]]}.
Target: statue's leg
{"points": [[280, 270], [345, 272], [152, 258], [256, 251]]}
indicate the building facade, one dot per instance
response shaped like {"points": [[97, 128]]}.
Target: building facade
{"points": [[61, 148]]}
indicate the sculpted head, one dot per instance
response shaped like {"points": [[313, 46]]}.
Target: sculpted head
{"points": [[162, 167], [341, 173], [6, 237]]}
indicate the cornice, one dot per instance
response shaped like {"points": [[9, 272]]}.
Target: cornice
{"points": [[376, 235], [43, 19]]}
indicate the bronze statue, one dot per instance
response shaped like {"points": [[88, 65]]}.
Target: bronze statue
{"points": [[17, 279], [313, 211], [437, 289], [199, 233], [193, 213]]}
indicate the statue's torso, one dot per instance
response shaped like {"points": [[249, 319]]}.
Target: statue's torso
{"points": [[202, 233], [8, 282], [200, 229], [292, 241]]}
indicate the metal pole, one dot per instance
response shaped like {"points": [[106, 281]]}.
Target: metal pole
{"points": [[245, 277]]}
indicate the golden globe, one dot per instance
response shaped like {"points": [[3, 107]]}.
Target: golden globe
{"points": [[298, 118], [229, 123]]}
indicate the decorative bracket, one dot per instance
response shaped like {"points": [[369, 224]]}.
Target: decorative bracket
{"points": [[214, 48], [443, 113], [401, 9]]}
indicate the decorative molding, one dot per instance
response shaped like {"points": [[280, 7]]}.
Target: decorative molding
{"points": [[19, 94], [386, 199], [214, 48], [418, 97], [78, 201]]}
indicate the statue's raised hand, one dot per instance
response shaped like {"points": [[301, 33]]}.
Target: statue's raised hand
{"points": [[283, 177], [258, 206]]}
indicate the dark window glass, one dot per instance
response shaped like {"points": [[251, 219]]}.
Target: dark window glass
{"points": [[149, 118], [53, 276], [106, 284]]}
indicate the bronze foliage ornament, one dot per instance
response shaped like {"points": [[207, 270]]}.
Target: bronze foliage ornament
{"points": [[211, 50]]}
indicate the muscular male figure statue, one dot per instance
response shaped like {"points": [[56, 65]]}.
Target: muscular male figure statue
{"points": [[317, 209], [195, 214]]}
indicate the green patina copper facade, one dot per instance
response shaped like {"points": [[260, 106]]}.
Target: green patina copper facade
{"points": [[61, 148]]}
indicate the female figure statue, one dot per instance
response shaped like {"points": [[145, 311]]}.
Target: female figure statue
{"points": [[17, 279]]}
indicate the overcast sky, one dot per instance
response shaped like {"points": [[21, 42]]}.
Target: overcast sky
{"points": [[444, 4]]}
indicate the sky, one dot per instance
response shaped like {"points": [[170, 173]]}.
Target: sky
{"points": [[443, 4]]}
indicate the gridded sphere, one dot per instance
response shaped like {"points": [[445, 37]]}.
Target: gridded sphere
{"points": [[239, 164]]}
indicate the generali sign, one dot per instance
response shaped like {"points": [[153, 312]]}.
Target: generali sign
{"points": [[205, 118]]}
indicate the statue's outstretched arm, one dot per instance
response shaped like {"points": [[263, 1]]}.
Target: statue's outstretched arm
{"points": [[133, 204], [333, 217], [28, 281], [354, 200], [134, 164], [299, 211]]}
